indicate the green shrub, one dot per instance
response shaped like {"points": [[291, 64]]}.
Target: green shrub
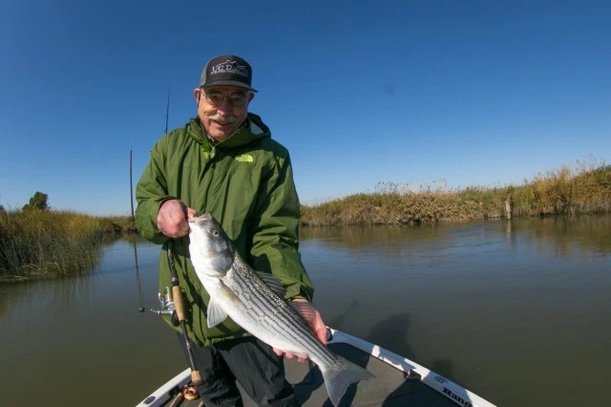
{"points": [[36, 243]]}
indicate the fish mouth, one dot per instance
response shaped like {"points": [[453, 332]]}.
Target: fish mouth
{"points": [[201, 218]]}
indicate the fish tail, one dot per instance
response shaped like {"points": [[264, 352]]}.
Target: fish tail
{"points": [[341, 375]]}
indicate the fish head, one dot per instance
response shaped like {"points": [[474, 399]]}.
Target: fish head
{"points": [[211, 251]]}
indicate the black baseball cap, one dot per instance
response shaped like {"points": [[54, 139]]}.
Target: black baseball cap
{"points": [[230, 70]]}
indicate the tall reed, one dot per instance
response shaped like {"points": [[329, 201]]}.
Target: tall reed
{"points": [[566, 191], [36, 243]]}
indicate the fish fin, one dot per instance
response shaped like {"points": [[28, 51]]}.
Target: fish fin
{"points": [[216, 314], [340, 376], [302, 355], [304, 309], [272, 282]]}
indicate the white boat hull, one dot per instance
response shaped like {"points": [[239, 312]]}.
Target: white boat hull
{"points": [[399, 381]]}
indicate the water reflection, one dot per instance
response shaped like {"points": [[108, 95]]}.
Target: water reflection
{"points": [[137, 272], [474, 302], [359, 236], [585, 236], [55, 294], [65, 287], [9, 295]]}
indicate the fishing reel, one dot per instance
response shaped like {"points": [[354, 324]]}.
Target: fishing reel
{"points": [[166, 305]]}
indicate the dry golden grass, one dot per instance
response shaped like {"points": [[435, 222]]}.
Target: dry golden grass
{"points": [[583, 190], [42, 244]]}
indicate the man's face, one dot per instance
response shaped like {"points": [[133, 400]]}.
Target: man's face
{"points": [[222, 109]]}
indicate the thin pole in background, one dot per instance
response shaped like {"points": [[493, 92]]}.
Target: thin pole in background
{"points": [[167, 109], [131, 188]]}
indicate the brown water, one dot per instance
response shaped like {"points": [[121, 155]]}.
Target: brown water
{"points": [[518, 313]]}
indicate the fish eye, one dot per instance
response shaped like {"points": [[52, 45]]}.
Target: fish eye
{"points": [[215, 233]]}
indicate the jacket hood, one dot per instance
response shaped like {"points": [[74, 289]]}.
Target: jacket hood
{"points": [[252, 129]]}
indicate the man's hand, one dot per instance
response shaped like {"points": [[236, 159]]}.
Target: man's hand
{"points": [[172, 218], [313, 318]]}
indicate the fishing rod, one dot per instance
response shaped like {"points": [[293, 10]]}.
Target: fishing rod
{"points": [[172, 304], [179, 314], [190, 391], [179, 309]]}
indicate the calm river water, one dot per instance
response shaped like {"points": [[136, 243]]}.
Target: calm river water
{"points": [[519, 313]]}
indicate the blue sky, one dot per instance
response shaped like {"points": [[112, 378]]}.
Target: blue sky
{"points": [[439, 93]]}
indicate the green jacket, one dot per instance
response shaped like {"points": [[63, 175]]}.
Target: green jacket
{"points": [[246, 183]]}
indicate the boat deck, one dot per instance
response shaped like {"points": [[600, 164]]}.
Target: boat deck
{"points": [[390, 387]]}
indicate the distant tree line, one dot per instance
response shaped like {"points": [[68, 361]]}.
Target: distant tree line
{"points": [[38, 201]]}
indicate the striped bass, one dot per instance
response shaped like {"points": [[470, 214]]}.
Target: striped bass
{"points": [[253, 300]]}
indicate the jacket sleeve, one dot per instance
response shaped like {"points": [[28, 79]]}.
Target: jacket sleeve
{"points": [[151, 192], [276, 231]]}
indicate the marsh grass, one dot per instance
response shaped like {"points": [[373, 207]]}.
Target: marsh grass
{"points": [[565, 191], [44, 244], [585, 189]]}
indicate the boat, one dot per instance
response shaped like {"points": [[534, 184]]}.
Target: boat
{"points": [[398, 381]]}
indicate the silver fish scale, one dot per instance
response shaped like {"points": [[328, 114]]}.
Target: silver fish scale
{"points": [[272, 313]]}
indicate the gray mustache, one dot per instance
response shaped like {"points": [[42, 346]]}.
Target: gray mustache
{"points": [[223, 119]]}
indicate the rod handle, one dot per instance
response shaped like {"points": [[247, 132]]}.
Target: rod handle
{"points": [[178, 303], [196, 377]]}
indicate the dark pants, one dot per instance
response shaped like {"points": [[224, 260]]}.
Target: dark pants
{"points": [[249, 361]]}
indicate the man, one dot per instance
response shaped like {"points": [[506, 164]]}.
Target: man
{"points": [[225, 162]]}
